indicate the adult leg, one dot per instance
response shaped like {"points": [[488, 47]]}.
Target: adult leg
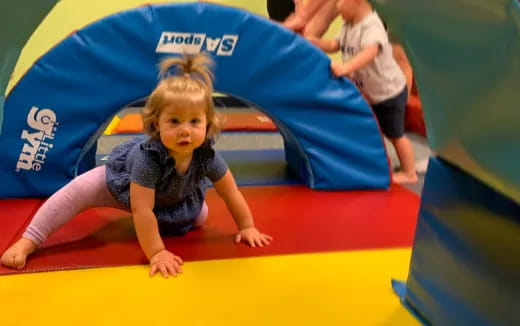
{"points": [[320, 22]]}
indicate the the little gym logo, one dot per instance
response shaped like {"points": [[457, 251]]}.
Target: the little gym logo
{"points": [[175, 42], [38, 139]]}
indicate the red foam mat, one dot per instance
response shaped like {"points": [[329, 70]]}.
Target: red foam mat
{"points": [[301, 221], [15, 215], [414, 120]]}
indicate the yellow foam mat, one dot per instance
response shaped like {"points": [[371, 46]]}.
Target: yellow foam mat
{"points": [[344, 288]]}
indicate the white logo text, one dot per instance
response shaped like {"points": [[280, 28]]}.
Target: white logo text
{"points": [[38, 141], [191, 43]]}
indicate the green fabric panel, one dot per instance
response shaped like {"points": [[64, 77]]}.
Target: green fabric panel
{"points": [[19, 20], [2, 99], [466, 60]]}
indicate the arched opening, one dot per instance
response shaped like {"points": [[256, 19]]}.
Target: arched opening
{"points": [[249, 141]]}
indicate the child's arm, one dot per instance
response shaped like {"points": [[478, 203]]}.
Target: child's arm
{"points": [[328, 46], [227, 189], [142, 201], [358, 61]]}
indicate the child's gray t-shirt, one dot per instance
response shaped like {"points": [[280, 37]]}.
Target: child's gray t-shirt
{"points": [[382, 78]]}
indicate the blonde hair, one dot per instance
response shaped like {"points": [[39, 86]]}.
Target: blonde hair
{"points": [[190, 86]]}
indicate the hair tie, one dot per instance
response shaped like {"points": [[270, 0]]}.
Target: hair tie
{"points": [[186, 75]]}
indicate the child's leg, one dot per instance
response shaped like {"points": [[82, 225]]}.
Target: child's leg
{"points": [[203, 216], [390, 115], [85, 191], [404, 151]]}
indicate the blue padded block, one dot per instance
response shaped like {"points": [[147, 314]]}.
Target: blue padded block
{"points": [[465, 267]]}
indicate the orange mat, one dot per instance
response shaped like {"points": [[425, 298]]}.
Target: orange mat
{"points": [[239, 121], [414, 120]]}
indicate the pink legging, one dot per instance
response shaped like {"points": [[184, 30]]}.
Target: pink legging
{"points": [[87, 190]]}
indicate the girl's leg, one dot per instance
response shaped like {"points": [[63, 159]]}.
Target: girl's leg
{"points": [[85, 191], [203, 216], [16, 255]]}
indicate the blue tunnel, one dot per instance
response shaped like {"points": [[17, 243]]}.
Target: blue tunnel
{"points": [[56, 112]]}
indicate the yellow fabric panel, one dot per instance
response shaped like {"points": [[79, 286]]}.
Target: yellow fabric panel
{"points": [[343, 288]]}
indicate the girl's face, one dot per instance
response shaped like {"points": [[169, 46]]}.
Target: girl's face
{"points": [[182, 130], [347, 8]]}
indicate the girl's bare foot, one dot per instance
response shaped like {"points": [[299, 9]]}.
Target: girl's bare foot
{"points": [[16, 255], [404, 178]]}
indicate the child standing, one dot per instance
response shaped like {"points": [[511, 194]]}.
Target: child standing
{"points": [[159, 178], [368, 61]]}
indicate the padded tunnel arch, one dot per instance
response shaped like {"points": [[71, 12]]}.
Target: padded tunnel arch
{"points": [[331, 138]]}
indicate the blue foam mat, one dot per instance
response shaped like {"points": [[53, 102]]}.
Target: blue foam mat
{"points": [[252, 167], [399, 288], [465, 258]]}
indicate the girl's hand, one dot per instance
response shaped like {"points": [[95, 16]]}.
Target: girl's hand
{"points": [[166, 263], [253, 237]]}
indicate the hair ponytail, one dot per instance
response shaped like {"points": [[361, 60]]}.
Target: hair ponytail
{"points": [[197, 66]]}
